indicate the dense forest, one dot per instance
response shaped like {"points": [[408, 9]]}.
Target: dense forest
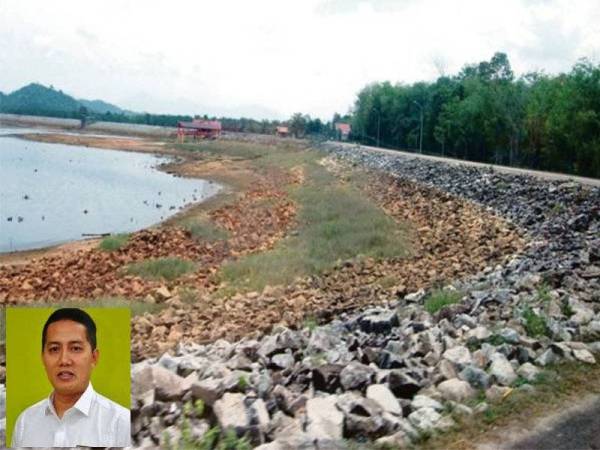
{"points": [[484, 113]]}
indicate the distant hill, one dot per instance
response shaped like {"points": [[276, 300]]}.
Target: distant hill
{"points": [[101, 107], [36, 99]]}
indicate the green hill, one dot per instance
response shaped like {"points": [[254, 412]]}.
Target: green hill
{"points": [[101, 107], [39, 100]]}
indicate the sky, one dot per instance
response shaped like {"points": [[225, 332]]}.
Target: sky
{"points": [[268, 59]]}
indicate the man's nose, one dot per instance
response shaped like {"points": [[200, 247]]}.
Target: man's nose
{"points": [[64, 358]]}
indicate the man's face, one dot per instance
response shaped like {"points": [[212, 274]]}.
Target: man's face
{"points": [[68, 357]]}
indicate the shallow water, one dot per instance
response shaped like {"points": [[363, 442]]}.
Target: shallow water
{"points": [[54, 193]]}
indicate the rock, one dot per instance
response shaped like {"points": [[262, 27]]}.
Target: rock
{"points": [[283, 360], [502, 370], [168, 362], [363, 416], [162, 293], [446, 369], [209, 390], [381, 322], [456, 390], [324, 420], [326, 378], [509, 335], [591, 332], [528, 371], [402, 384], [496, 393], [459, 356], [423, 401], [415, 297], [167, 385], [479, 333], [384, 397], [397, 440], [424, 419], [231, 413], [585, 356], [258, 414], [355, 376], [475, 377], [581, 316], [548, 357]]}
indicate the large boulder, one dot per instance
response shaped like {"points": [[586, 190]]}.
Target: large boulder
{"points": [[456, 390], [324, 420]]}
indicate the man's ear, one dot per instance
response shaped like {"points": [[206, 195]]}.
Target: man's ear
{"points": [[95, 356]]}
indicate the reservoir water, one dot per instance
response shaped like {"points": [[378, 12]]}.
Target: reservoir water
{"points": [[54, 193]]}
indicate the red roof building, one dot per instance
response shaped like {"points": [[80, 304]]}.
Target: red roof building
{"points": [[343, 130], [203, 129], [282, 131]]}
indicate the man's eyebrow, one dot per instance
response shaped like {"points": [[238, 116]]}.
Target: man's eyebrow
{"points": [[69, 342]]}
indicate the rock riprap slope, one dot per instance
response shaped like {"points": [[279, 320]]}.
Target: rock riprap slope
{"points": [[391, 374]]}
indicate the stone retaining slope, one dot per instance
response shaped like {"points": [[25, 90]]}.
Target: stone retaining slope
{"points": [[392, 374]]}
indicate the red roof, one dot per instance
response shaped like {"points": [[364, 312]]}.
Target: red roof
{"points": [[201, 124], [343, 127], [283, 130]]}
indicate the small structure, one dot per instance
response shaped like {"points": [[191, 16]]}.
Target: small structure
{"points": [[199, 129], [282, 131], [343, 130]]}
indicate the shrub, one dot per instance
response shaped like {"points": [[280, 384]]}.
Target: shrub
{"points": [[440, 298], [535, 325], [161, 268], [114, 242]]}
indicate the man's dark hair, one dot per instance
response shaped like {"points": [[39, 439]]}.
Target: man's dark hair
{"points": [[76, 315]]}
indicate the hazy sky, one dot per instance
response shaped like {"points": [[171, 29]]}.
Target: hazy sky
{"points": [[269, 59]]}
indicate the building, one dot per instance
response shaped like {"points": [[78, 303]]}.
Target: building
{"points": [[199, 129], [343, 131], [282, 131]]}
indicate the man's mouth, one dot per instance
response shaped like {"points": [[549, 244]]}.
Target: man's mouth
{"points": [[65, 375]]}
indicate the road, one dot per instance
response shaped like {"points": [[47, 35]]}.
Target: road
{"points": [[505, 169]]}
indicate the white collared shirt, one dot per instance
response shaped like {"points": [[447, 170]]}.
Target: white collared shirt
{"points": [[94, 421]]}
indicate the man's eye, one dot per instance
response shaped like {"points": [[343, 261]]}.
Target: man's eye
{"points": [[53, 349], [77, 349]]}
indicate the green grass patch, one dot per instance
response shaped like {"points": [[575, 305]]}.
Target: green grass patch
{"points": [[162, 268], [535, 324], [335, 223], [440, 298], [114, 242], [203, 229]]}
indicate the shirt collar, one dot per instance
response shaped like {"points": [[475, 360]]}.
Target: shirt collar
{"points": [[83, 405]]}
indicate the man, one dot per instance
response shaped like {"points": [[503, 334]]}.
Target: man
{"points": [[74, 414]]}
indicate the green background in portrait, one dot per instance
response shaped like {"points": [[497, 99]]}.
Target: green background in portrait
{"points": [[26, 381]]}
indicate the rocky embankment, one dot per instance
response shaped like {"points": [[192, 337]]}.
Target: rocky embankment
{"points": [[391, 374]]}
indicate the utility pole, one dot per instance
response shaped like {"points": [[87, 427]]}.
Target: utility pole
{"points": [[421, 127], [378, 125]]}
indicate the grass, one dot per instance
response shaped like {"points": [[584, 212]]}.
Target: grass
{"points": [[535, 325], [161, 268], [556, 386], [203, 229], [114, 242], [335, 223], [440, 298]]}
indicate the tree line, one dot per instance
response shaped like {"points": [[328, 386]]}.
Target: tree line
{"points": [[486, 114]]}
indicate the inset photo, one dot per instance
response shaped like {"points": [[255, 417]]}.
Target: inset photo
{"points": [[68, 377]]}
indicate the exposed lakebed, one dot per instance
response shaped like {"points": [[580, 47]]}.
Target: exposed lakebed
{"points": [[54, 193]]}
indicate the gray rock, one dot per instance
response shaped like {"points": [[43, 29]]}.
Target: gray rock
{"points": [[475, 377], [209, 390], [384, 397], [591, 332], [423, 401], [548, 357], [324, 420], [381, 322], [363, 416], [496, 393], [502, 370], [528, 371], [424, 419], [456, 390], [459, 356], [402, 384], [231, 412], [356, 376], [509, 335], [584, 356], [397, 440], [283, 360], [326, 378]]}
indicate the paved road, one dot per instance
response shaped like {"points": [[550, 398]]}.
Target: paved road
{"points": [[505, 169], [575, 428]]}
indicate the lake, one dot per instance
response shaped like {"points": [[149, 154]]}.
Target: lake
{"points": [[54, 193]]}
